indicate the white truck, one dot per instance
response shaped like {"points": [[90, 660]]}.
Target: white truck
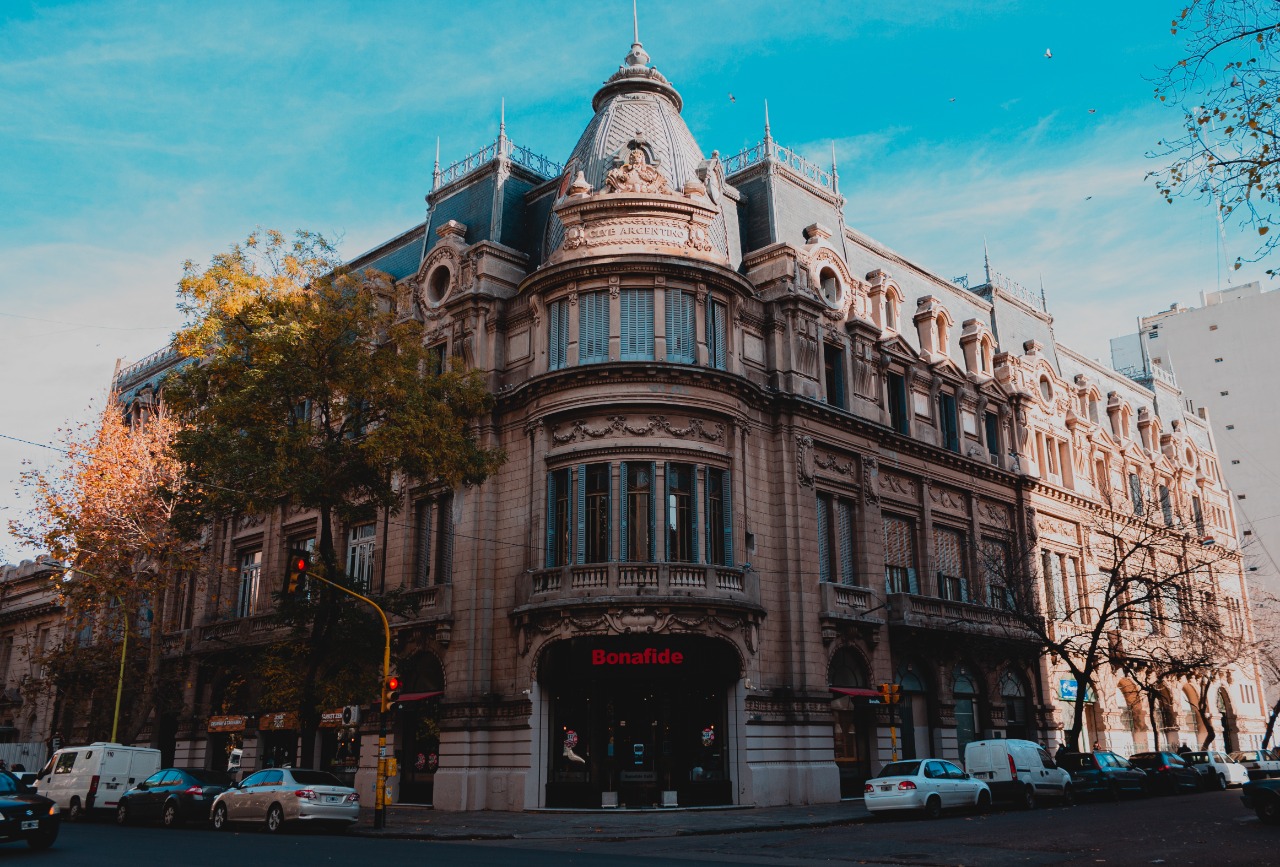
{"points": [[94, 777]]}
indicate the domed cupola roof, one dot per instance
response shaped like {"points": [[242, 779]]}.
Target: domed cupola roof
{"points": [[637, 107]]}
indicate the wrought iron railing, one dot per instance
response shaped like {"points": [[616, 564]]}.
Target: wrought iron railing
{"points": [[1145, 375], [770, 149], [501, 147], [157, 359]]}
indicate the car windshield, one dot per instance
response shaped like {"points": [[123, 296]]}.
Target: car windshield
{"points": [[1196, 758], [899, 769], [315, 778], [9, 785]]}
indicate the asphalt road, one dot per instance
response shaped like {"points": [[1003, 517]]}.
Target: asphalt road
{"points": [[1205, 829]]}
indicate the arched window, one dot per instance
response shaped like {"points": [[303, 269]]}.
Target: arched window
{"points": [[853, 721], [964, 689], [914, 715], [1014, 693]]}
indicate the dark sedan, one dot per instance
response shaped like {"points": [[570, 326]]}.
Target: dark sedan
{"points": [[1168, 772], [24, 815], [1263, 797], [1105, 774], [172, 796]]}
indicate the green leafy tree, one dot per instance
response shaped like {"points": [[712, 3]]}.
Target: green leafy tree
{"points": [[308, 389], [1227, 85]]}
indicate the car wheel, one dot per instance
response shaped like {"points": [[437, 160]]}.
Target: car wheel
{"points": [[1114, 792], [172, 816], [219, 817], [43, 839], [122, 813], [1068, 796], [275, 819], [1028, 800], [933, 807], [75, 812], [1269, 811], [984, 801], [1220, 782]]}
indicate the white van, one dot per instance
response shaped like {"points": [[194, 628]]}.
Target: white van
{"points": [[94, 777], [1018, 771]]}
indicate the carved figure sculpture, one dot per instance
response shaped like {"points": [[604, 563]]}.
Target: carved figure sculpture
{"points": [[636, 176]]}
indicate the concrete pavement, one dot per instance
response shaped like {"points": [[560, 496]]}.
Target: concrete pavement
{"points": [[423, 823]]}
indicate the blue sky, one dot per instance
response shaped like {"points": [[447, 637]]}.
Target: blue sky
{"points": [[137, 135]]}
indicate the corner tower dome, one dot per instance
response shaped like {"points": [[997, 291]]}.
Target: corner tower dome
{"points": [[637, 107]]}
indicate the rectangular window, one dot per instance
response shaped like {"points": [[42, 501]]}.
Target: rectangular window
{"points": [[993, 434], [718, 335], [948, 555], [638, 510], [593, 327], [1052, 569], [996, 564], [719, 518], [435, 355], [682, 518], [1166, 505], [558, 505], [682, 341], [833, 370], [948, 424], [360, 555], [1135, 493], [594, 537], [637, 325], [442, 559], [6, 656], [899, 556], [250, 576], [557, 334], [899, 419], [1198, 514]]}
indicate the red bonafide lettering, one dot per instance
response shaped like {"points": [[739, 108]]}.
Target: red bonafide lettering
{"points": [[648, 656]]}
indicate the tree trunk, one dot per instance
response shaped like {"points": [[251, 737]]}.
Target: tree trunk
{"points": [[144, 703], [1271, 725], [1202, 708], [1151, 717], [321, 628]]}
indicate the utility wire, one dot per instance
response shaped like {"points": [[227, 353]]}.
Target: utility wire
{"points": [[83, 325]]}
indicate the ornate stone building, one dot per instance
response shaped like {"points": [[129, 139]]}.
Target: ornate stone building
{"points": [[758, 464]]}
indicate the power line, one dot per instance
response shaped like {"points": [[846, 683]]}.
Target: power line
{"points": [[84, 325]]}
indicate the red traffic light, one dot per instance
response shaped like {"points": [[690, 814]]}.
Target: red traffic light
{"points": [[300, 564], [393, 683]]}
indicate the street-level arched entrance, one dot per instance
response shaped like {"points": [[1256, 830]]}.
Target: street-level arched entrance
{"points": [[853, 720], [638, 715], [418, 727]]}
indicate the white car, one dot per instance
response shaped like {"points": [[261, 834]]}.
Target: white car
{"points": [[278, 796], [929, 785], [1218, 769], [1260, 764]]}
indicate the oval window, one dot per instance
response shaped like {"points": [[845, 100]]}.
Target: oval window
{"points": [[831, 289], [438, 284], [1046, 389]]}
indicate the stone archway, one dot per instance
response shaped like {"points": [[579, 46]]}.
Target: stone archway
{"points": [[418, 726], [1230, 726], [853, 719]]}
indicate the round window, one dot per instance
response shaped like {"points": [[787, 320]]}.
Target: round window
{"points": [[438, 284], [831, 289], [1046, 389]]}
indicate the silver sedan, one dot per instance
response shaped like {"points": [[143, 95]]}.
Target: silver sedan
{"points": [[928, 785], [278, 796]]}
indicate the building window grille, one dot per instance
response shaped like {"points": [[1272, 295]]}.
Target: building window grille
{"points": [[637, 324], [948, 554], [360, 555], [557, 334], [593, 513], [900, 556], [593, 327], [250, 576], [638, 510], [719, 517], [717, 335], [682, 331], [682, 514], [558, 507]]}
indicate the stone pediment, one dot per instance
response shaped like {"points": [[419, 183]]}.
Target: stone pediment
{"points": [[636, 212]]}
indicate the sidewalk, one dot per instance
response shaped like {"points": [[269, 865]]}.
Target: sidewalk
{"points": [[423, 823]]}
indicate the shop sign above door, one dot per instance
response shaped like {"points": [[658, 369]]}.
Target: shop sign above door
{"points": [[648, 656], [287, 721], [227, 723]]}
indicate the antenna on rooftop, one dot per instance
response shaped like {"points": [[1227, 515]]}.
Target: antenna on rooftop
{"points": [[835, 176]]}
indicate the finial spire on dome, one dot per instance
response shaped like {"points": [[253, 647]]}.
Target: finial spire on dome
{"points": [[635, 24], [768, 136], [637, 56], [835, 175], [502, 118], [435, 172]]}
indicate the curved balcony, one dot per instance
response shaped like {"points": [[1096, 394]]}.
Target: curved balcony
{"points": [[931, 612], [650, 583]]}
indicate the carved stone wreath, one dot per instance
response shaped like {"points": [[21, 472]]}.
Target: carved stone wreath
{"points": [[617, 426]]}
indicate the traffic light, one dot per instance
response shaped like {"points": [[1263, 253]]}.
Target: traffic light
{"points": [[890, 693], [390, 693], [299, 565]]}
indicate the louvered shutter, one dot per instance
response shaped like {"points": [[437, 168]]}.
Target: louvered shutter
{"points": [[681, 329], [593, 327], [726, 508], [844, 526], [551, 520], [423, 577], [652, 553], [444, 574], [824, 550], [582, 513], [694, 472], [637, 324], [624, 503], [667, 516], [608, 511], [718, 334]]}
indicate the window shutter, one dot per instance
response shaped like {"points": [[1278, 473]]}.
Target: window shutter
{"points": [[667, 517], [593, 327], [844, 524], [693, 512], [551, 520], [423, 577], [726, 509], [624, 504], [680, 327], [652, 553], [637, 324], [608, 510], [445, 572], [718, 334], [912, 581], [582, 513], [824, 550]]}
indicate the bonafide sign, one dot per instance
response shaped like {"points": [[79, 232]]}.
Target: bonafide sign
{"points": [[648, 656]]}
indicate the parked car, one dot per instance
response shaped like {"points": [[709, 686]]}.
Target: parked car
{"points": [[1217, 770], [93, 777], [1018, 771], [928, 785], [172, 796], [26, 815], [1168, 772], [1104, 773], [1261, 764], [1263, 797], [281, 795]]}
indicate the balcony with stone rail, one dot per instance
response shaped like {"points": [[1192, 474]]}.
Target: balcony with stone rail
{"points": [[630, 583]]}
